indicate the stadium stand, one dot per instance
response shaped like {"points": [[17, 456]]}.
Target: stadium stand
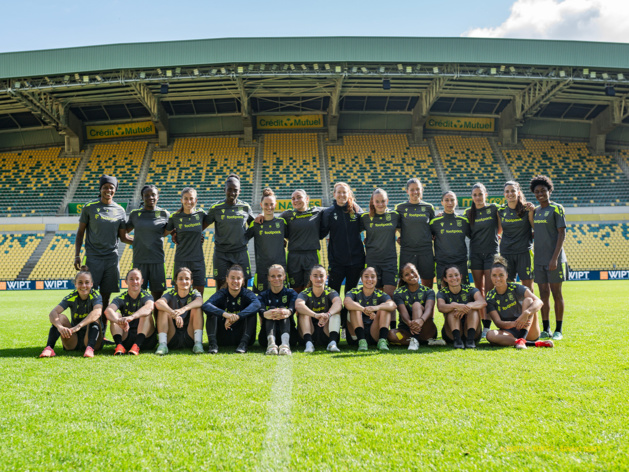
{"points": [[366, 162], [122, 160], [597, 246], [16, 249], [202, 163], [580, 179], [467, 160], [56, 262], [291, 161], [35, 181]]}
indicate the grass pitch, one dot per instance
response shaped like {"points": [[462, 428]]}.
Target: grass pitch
{"points": [[437, 409]]}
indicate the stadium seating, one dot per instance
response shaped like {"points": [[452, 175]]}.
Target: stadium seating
{"points": [[34, 182], [291, 161], [16, 250], [467, 160], [597, 246], [579, 178], [202, 163], [367, 162], [122, 160], [57, 260]]}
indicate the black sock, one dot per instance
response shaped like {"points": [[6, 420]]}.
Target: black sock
{"points": [[471, 334], [530, 343], [546, 325], [416, 336], [523, 333], [307, 338], [93, 330], [335, 336], [384, 333], [360, 333], [456, 334], [559, 323], [487, 324], [53, 335], [139, 339], [118, 338]]}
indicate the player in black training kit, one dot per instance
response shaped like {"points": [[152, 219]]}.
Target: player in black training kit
{"points": [[370, 313], [188, 223], [460, 305], [231, 218], [149, 228], [513, 308], [268, 236], [133, 329], [277, 305], [416, 305], [239, 307], [84, 330], [101, 223], [319, 308], [179, 319]]}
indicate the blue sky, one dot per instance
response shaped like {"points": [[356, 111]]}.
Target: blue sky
{"points": [[44, 24]]}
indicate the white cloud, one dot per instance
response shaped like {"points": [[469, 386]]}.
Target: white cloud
{"points": [[585, 20]]}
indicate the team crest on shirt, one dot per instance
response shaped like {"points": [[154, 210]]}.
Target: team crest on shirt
{"points": [[277, 225], [238, 301], [180, 225], [284, 299], [336, 217], [388, 218], [510, 297], [196, 217]]}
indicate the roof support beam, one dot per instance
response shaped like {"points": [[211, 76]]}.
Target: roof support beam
{"points": [[606, 122], [155, 108], [535, 96], [333, 110], [427, 98], [245, 111]]}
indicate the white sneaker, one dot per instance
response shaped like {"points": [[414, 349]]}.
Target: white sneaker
{"points": [[413, 345], [309, 347], [436, 342], [484, 335], [271, 350], [285, 350], [332, 347]]}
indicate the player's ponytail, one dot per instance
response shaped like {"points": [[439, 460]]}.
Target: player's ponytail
{"points": [[84, 270], [267, 192], [499, 263]]}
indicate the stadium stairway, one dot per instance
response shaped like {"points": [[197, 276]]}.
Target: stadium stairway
{"points": [[441, 173], [136, 201], [36, 255], [622, 161], [257, 173], [500, 159], [326, 198], [74, 184]]}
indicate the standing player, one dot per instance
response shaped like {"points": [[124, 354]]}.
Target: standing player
{"points": [[346, 253], [189, 223], [460, 305], [319, 308], [269, 240], [179, 319], [450, 231], [370, 312], [514, 310], [84, 330], [277, 305], [516, 246], [551, 265], [149, 226], [102, 222], [231, 218], [416, 305], [135, 329], [238, 306], [415, 238], [484, 232]]}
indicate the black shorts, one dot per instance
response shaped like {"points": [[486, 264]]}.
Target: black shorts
{"points": [[80, 345], [149, 342], [197, 268], [387, 273], [181, 339], [481, 261], [545, 276], [299, 264], [154, 276], [224, 260], [105, 273], [465, 276], [319, 338], [423, 261], [520, 265]]}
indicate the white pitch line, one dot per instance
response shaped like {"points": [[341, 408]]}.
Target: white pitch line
{"points": [[275, 454]]}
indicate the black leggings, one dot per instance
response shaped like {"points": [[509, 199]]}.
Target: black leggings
{"points": [[244, 330]]}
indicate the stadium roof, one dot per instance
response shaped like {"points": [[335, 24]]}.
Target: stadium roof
{"points": [[246, 76]]}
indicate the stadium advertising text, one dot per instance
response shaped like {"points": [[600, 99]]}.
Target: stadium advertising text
{"points": [[142, 128], [292, 121], [460, 124], [285, 204]]}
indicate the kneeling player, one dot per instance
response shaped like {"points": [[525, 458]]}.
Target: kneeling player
{"points": [[369, 312], [238, 306], [132, 329], [460, 305], [276, 313], [416, 303], [85, 330], [319, 308], [179, 318], [513, 309]]}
